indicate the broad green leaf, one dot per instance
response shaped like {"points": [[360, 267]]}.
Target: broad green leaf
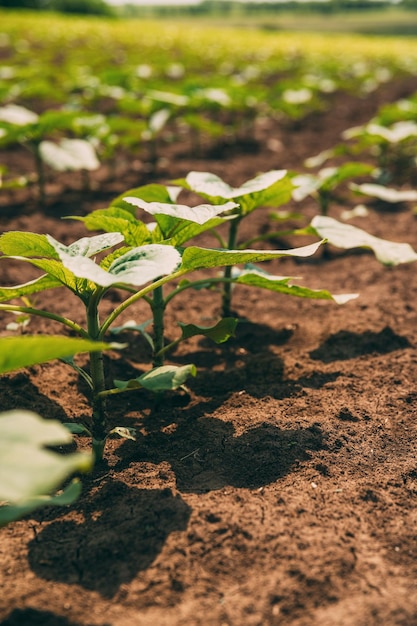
{"points": [[12, 512], [33, 286], [198, 214], [220, 332], [194, 258], [283, 284], [164, 378], [27, 468], [17, 243], [26, 350], [176, 232], [115, 219], [57, 271], [347, 237], [149, 193], [387, 194], [269, 189], [86, 246], [136, 267]]}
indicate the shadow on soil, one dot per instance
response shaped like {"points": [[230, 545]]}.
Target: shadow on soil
{"points": [[347, 345], [122, 531], [33, 617], [205, 454]]}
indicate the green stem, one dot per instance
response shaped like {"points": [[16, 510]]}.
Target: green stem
{"points": [[197, 283], [40, 171], [227, 292], [137, 296], [99, 417], [158, 310], [57, 318]]}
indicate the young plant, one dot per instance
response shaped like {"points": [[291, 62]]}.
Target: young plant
{"points": [[139, 271], [322, 186], [177, 224], [34, 132], [269, 189]]}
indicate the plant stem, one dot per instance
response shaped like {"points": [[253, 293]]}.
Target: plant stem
{"points": [[158, 309], [137, 296], [99, 417], [40, 171], [227, 291]]}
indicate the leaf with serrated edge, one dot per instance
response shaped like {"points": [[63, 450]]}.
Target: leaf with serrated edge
{"points": [[87, 246], [33, 286]]}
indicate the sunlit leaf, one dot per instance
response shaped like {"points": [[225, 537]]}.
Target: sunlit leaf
{"points": [[347, 237], [26, 350], [199, 258], [386, 194], [284, 284], [198, 214], [219, 333], [164, 378], [136, 267]]}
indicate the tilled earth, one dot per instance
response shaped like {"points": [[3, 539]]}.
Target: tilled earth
{"points": [[283, 489]]}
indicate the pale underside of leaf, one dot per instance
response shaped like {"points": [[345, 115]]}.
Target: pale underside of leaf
{"points": [[347, 237], [198, 214]]}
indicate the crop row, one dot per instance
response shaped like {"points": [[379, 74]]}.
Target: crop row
{"points": [[157, 261]]}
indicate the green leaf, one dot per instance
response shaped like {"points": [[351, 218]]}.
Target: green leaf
{"points": [[57, 271], [347, 237], [27, 468], [87, 246], [272, 188], [27, 350], [16, 243], [75, 428], [149, 193], [220, 332], [33, 286], [115, 219], [136, 267], [198, 214], [199, 258], [164, 378], [281, 284], [12, 512]]}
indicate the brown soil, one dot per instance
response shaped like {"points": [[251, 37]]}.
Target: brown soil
{"points": [[283, 490]]}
